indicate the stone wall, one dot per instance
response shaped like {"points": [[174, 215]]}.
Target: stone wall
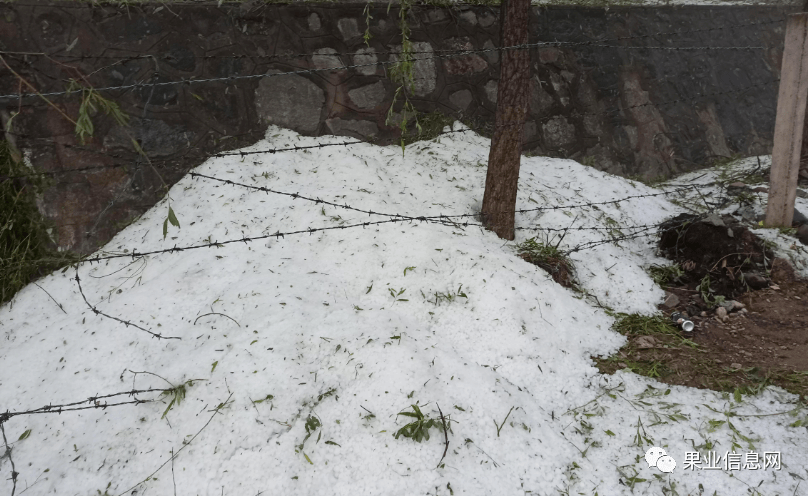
{"points": [[614, 102]]}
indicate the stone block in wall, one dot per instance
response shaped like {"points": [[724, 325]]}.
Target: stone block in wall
{"points": [[423, 69], [558, 132], [487, 19], [368, 97], [348, 28], [466, 64], [491, 88], [461, 99], [179, 57], [593, 125], [529, 131], [561, 88], [540, 100], [355, 128], [714, 133], [314, 22], [468, 17], [436, 15], [326, 58], [365, 56], [549, 55], [157, 138], [492, 55], [290, 101]]}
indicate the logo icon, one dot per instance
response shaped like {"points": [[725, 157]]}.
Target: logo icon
{"points": [[656, 457]]}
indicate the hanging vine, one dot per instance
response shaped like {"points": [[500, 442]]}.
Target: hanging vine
{"points": [[401, 73]]}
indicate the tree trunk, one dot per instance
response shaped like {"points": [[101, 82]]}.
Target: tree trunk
{"points": [[499, 199]]}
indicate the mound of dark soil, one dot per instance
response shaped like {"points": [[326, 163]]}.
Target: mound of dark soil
{"points": [[720, 247]]}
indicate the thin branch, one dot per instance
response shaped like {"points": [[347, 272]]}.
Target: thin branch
{"points": [[216, 313], [14, 473], [22, 80], [184, 445], [52, 298]]}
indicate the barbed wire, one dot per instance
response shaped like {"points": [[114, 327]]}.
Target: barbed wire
{"points": [[436, 219], [419, 217], [124, 322], [458, 53], [184, 156], [93, 400]]}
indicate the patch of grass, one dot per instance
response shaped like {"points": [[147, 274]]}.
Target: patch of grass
{"points": [[549, 258], [644, 325], [662, 275], [448, 296], [26, 249]]}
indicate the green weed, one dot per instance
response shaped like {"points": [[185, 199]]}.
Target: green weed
{"points": [[662, 275], [418, 429]]}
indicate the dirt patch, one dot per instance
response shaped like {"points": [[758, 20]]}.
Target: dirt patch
{"points": [[731, 257], [750, 312], [764, 343]]}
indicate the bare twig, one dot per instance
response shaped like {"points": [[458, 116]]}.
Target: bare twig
{"points": [[14, 473], [52, 298], [216, 313], [500, 426], [23, 81], [184, 445]]}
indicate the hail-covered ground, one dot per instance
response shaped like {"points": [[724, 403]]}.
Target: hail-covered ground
{"points": [[302, 350]]}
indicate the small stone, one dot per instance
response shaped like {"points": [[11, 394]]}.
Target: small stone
{"points": [[721, 313], [744, 311], [737, 305], [736, 366], [622, 365], [703, 314], [671, 300]]}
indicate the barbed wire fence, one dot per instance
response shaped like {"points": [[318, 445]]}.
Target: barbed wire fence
{"points": [[456, 221]]}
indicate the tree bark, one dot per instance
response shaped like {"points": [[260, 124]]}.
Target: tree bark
{"points": [[499, 199]]}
